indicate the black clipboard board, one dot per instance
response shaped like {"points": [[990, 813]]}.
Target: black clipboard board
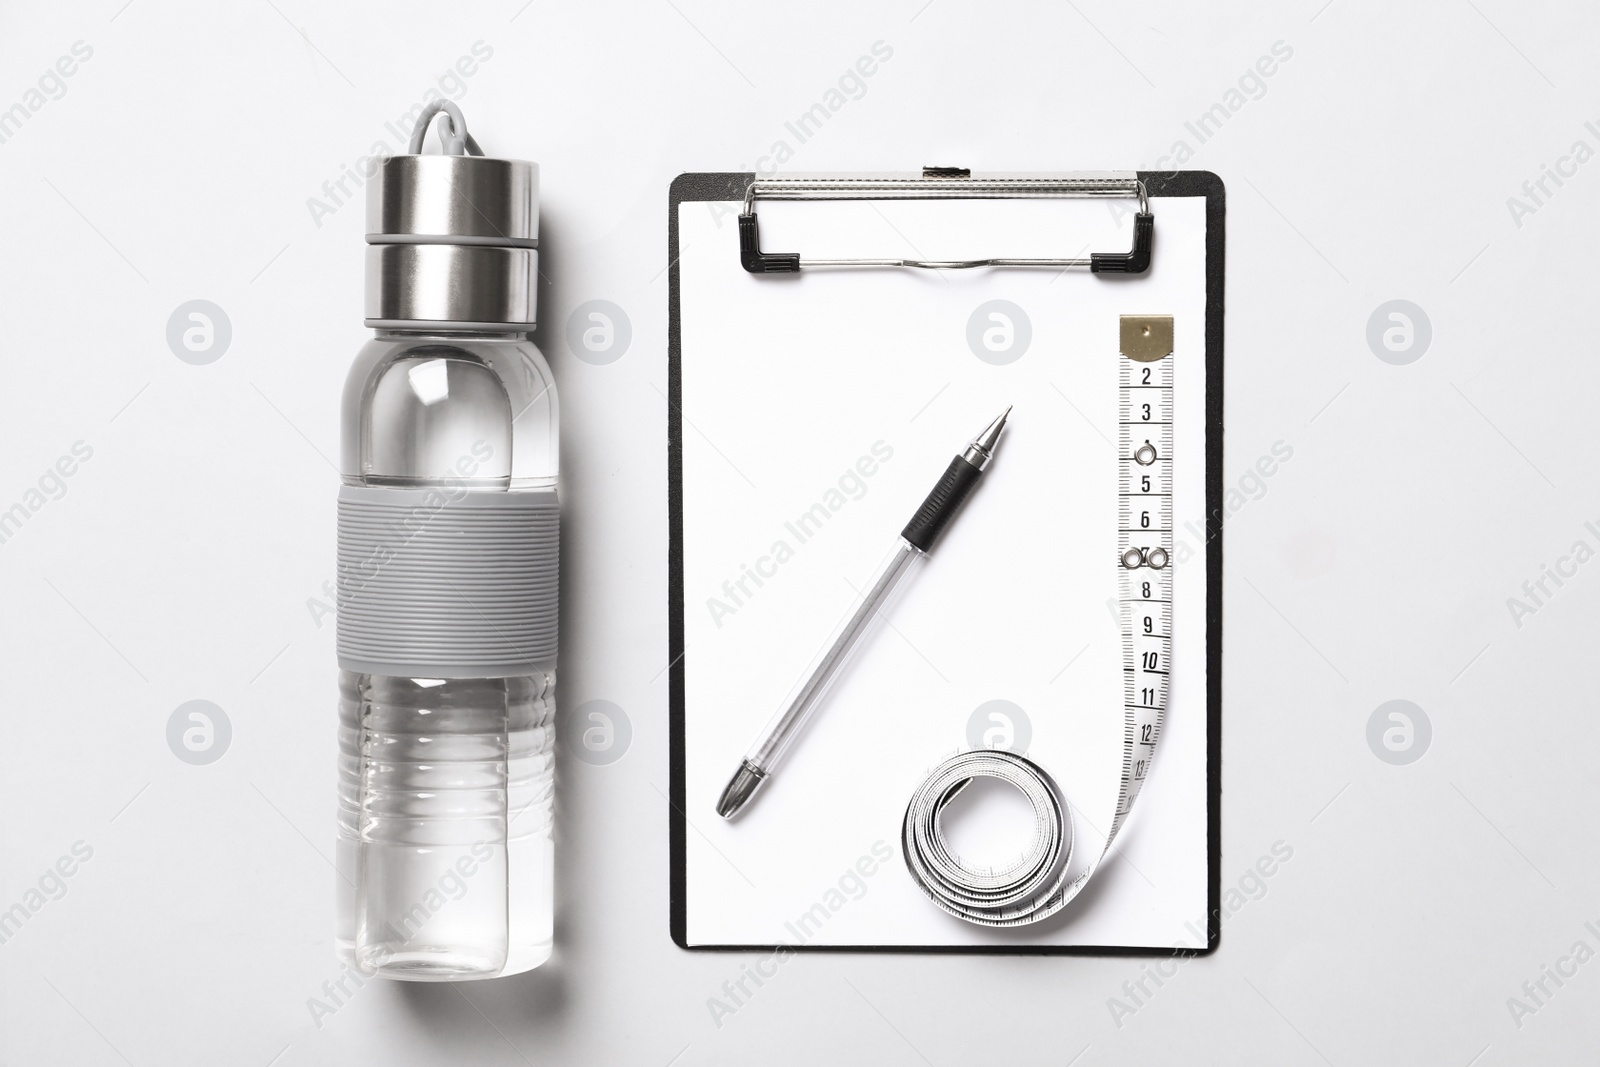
{"points": [[692, 188]]}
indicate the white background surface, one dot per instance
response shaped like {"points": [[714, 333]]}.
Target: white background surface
{"points": [[788, 381], [1375, 165]]}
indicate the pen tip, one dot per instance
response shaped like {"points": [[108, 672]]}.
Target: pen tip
{"points": [[987, 439]]}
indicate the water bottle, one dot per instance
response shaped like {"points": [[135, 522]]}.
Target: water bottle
{"points": [[447, 577]]}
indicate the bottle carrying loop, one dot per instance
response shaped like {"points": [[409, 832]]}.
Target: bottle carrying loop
{"points": [[454, 138]]}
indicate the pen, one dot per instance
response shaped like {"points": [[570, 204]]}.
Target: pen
{"points": [[914, 542]]}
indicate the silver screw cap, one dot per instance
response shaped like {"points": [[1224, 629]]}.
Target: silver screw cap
{"points": [[452, 238]]}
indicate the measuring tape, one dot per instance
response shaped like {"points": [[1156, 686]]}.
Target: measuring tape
{"points": [[1036, 886]]}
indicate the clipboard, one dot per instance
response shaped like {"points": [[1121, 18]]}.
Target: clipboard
{"points": [[764, 399]]}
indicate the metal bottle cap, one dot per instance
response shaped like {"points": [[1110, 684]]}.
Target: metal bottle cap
{"points": [[452, 239]]}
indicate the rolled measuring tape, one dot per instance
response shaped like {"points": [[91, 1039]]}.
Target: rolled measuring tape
{"points": [[1036, 886], [1010, 896]]}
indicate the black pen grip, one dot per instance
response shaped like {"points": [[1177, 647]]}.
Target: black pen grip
{"points": [[959, 479]]}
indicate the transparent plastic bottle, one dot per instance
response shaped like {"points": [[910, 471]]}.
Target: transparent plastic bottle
{"points": [[447, 583]]}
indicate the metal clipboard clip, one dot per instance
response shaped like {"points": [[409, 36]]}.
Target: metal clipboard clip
{"points": [[947, 183]]}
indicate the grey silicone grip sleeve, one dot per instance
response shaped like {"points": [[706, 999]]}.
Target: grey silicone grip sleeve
{"points": [[447, 583]]}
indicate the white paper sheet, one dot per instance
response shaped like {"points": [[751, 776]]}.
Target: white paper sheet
{"points": [[852, 389]]}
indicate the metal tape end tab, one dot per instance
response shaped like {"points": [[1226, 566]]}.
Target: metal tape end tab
{"points": [[1146, 338]]}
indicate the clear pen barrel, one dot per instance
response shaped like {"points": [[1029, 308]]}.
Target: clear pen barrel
{"points": [[853, 632]]}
